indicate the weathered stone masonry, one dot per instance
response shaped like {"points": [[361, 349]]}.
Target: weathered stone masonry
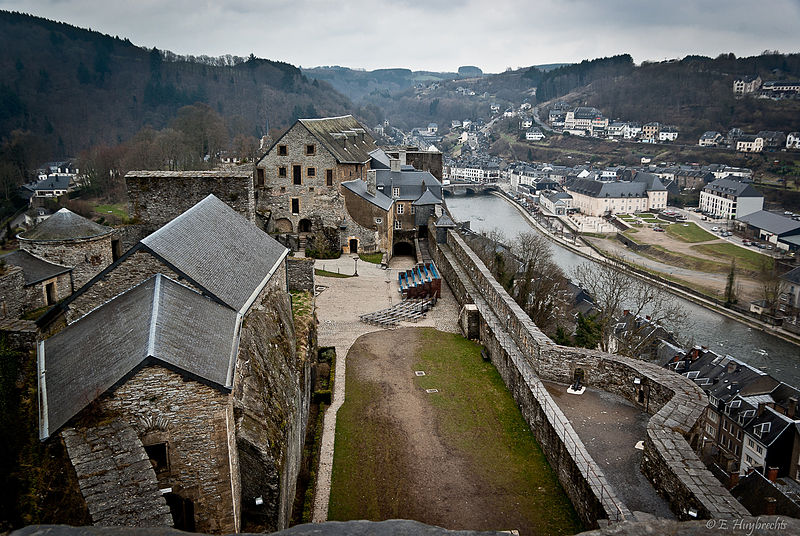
{"points": [[522, 354]]}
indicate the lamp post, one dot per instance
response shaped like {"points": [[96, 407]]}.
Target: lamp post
{"points": [[355, 264]]}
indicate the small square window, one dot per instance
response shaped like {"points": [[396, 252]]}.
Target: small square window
{"points": [[310, 188], [312, 172], [283, 189], [379, 220], [310, 149], [158, 456], [282, 172], [283, 150]]}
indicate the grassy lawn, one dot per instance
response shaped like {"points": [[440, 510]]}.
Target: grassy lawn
{"points": [[692, 233], [326, 273], [651, 220], [119, 210], [475, 419], [626, 217], [745, 258], [374, 258], [661, 254], [631, 230]]}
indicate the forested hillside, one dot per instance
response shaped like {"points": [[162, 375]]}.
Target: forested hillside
{"points": [[74, 88]]}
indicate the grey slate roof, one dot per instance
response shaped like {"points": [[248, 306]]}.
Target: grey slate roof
{"points": [[792, 276], [428, 198], [158, 321], [732, 187], [594, 188], [341, 136], [65, 225], [378, 199], [412, 183], [380, 160], [220, 250], [445, 221], [34, 268], [53, 182], [774, 223]]}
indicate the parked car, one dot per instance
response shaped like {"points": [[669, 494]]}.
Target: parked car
{"points": [[746, 242], [715, 228]]}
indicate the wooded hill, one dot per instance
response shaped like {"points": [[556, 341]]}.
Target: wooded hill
{"points": [[695, 93], [76, 88]]}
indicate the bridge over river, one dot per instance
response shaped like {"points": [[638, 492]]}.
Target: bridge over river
{"points": [[468, 187]]}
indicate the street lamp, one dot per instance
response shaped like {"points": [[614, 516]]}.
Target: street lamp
{"points": [[355, 264]]}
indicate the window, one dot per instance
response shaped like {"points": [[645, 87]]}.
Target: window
{"points": [[329, 177], [283, 189], [398, 225], [259, 177], [379, 220], [413, 209], [158, 456], [282, 172], [400, 208], [311, 172], [759, 450], [295, 205], [310, 188], [751, 443], [311, 149], [712, 416], [396, 193], [282, 150], [710, 430], [297, 174]]}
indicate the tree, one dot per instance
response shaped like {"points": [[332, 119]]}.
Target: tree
{"points": [[771, 284], [588, 333], [614, 292], [730, 288]]}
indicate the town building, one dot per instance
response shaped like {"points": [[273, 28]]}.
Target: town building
{"points": [[774, 228], [557, 203], [793, 140], [710, 138], [746, 85], [730, 199], [534, 134], [748, 143], [789, 297], [644, 192]]}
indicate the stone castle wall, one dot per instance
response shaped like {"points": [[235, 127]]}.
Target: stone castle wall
{"points": [[674, 402], [87, 257], [193, 420], [13, 294], [300, 274], [157, 197]]}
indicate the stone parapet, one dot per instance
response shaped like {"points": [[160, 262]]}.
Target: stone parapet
{"points": [[674, 402]]}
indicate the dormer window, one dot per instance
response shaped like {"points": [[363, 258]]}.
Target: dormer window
{"points": [[395, 192], [283, 150]]}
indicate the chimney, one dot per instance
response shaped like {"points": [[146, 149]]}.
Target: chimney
{"points": [[401, 155], [769, 506], [626, 312], [372, 181], [731, 366], [772, 474], [761, 406], [394, 163], [733, 480], [791, 409]]}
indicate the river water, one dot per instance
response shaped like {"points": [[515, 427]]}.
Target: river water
{"points": [[721, 334]]}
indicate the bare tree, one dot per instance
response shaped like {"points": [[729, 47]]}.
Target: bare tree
{"points": [[614, 292], [770, 282]]}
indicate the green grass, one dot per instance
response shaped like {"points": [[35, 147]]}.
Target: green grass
{"points": [[631, 230], [651, 220], [626, 217], [119, 210], [692, 233], [301, 303], [326, 273], [374, 258], [745, 258], [476, 419]]}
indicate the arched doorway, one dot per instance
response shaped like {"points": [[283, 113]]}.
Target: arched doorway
{"points": [[304, 226], [353, 245], [283, 225], [403, 248]]}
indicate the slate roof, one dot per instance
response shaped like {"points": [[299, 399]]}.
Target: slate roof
{"points": [[778, 424], [595, 188], [156, 322], [220, 250], [774, 223], [732, 187], [428, 198], [52, 182], [378, 199], [340, 135], [380, 160], [792, 276], [410, 181], [445, 221], [65, 225], [34, 268]]}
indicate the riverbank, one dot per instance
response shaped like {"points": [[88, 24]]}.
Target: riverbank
{"points": [[587, 251]]}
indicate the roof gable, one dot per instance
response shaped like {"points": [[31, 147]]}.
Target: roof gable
{"points": [[157, 321], [220, 250], [345, 138]]}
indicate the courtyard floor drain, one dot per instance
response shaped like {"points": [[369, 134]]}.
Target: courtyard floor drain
{"points": [[429, 391], [419, 372]]}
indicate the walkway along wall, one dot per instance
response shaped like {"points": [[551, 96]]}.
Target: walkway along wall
{"points": [[523, 355]]}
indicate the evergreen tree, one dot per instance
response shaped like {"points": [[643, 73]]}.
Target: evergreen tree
{"points": [[588, 332]]}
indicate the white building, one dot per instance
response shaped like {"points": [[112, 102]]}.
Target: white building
{"points": [[730, 199], [534, 134], [750, 144], [668, 134], [793, 140]]}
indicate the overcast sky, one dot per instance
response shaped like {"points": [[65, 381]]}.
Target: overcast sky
{"points": [[438, 35]]}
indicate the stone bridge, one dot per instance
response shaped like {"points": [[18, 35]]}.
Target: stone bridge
{"points": [[525, 356], [470, 188]]}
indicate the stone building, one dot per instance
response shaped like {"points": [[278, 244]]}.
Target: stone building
{"points": [[395, 203], [298, 181], [28, 283], [197, 364], [70, 240]]}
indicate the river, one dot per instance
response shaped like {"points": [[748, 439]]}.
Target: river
{"points": [[720, 333]]}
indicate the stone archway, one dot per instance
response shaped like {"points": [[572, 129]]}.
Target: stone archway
{"points": [[304, 226], [283, 225], [404, 248]]}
